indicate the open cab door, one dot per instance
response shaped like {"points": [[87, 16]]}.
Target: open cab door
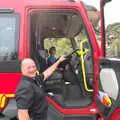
{"points": [[70, 89], [109, 90], [109, 83]]}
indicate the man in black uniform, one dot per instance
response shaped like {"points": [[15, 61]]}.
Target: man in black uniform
{"points": [[30, 96]]}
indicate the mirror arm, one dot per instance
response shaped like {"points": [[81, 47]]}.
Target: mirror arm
{"points": [[102, 27]]}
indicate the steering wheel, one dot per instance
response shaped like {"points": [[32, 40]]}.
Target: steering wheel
{"points": [[68, 58]]}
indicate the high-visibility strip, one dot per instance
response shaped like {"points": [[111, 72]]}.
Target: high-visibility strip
{"points": [[82, 53], [3, 99]]}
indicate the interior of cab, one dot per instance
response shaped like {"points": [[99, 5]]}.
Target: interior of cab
{"points": [[71, 85]]}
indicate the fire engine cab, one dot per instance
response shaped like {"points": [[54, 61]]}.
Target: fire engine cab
{"points": [[27, 29]]}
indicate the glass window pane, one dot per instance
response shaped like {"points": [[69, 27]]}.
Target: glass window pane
{"points": [[108, 79], [8, 41]]}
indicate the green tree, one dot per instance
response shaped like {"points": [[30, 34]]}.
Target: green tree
{"points": [[113, 39]]}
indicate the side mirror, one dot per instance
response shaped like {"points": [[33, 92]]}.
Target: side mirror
{"points": [[110, 76], [109, 89], [109, 82], [106, 1]]}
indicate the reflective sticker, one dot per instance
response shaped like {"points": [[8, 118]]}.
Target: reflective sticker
{"points": [[3, 99]]}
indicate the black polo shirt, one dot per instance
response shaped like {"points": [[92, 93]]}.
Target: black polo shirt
{"points": [[30, 95]]}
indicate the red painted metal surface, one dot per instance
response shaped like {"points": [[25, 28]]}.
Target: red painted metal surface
{"points": [[9, 82], [102, 29], [115, 115], [88, 110]]}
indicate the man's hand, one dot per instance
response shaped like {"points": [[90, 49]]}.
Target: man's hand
{"points": [[53, 67], [62, 58]]}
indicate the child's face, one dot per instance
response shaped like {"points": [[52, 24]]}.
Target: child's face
{"points": [[53, 52]]}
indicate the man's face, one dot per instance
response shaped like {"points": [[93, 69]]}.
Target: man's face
{"points": [[29, 69]]}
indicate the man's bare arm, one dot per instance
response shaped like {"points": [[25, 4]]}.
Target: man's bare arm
{"points": [[53, 67], [23, 114]]}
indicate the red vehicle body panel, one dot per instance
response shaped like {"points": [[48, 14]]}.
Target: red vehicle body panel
{"points": [[9, 81], [89, 110], [115, 115]]}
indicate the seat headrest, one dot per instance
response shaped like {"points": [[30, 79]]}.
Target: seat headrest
{"points": [[42, 53]]}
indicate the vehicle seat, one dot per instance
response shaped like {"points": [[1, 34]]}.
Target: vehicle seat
{"points": [[42, 60]]}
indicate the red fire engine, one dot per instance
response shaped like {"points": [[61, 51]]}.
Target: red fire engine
{"points": [[28, 28]]}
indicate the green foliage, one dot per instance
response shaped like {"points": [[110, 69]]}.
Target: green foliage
{"points": [[113, 39], [63, 45], [114, 26]]}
